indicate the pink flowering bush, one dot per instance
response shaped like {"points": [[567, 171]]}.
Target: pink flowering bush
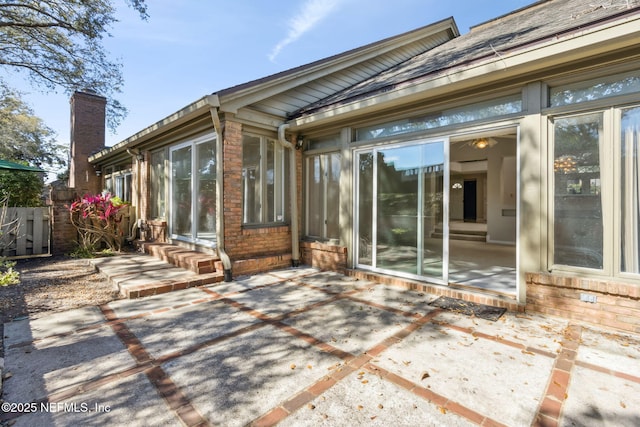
{"points": [[97, 220]]}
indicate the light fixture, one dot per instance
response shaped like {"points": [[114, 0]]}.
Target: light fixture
{"points": [[140, 157], [482, 143], [564, 164], [299, 142]]}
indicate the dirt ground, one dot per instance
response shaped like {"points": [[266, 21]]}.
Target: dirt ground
{"points": [[53, 284]]}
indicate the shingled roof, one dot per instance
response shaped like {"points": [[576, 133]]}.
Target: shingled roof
{"points": [[524, 27]]}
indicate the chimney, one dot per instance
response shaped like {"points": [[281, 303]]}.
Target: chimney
{"points": [[87, 138]]}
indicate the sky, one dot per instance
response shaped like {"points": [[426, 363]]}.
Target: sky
{"points": [[191, 48]]}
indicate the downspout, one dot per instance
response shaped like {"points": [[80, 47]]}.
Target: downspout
{"points": [[226, 261], [293, 195]]}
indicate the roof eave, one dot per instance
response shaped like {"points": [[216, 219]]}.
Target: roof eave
{"points": [[181, 116], [553, 51]]}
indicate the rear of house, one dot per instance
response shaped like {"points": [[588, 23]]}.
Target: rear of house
{"points": [[500, 166]]}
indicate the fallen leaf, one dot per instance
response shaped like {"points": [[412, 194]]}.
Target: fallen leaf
{"points": [[442, 410], [380, 406], [293, 366], [374, 417], [406, 363], [623, 405], [360, 407], [311, 406], [528, 352], [425, 375], [365, 381], [309, 367]]}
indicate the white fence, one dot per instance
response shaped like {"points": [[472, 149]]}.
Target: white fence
{"points": [[32, 237]]}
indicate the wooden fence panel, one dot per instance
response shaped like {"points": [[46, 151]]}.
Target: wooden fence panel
{"points": [[33, 234]]}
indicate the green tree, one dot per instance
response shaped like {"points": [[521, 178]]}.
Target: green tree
{"points": [[58, 44], [21, 189], [24, 137]]}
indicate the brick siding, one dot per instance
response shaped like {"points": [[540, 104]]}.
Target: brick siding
{"points": [[241, 242], [324, 256], [617, 305]]}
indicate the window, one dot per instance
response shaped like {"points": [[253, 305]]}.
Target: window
{"points": [[263, 172], [157, 176], [578, 227], [469, 113], [591, 90], [630, 191], [118, 183], [323, 196], [596, 191]]}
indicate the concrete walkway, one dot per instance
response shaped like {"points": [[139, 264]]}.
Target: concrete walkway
{"points": [[301, 347]]}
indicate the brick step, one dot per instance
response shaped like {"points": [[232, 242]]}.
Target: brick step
{"points": [[131, 288], [198, 262]]}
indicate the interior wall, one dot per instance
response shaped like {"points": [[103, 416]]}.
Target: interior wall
{"points": [[501, 197]]}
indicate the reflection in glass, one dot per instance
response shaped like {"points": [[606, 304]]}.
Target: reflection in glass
{"points": [[630, 191], [400, 203], [206, 189], [181, 191], [578, 227]]}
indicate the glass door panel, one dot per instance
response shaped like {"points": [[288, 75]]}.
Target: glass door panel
{"points": [[206, 190], [398, 177], [401, 199], [432, 179], [181, 191], [365, 209]]}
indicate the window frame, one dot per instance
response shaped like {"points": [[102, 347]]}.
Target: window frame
{"points": [[610, 185], [325, 159], [277, 206]]}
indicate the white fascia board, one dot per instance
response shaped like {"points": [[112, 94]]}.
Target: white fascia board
{"points": [[192, 110], [557, 51]]}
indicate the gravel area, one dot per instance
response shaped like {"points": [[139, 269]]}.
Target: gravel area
{"points": [[53, 284]]}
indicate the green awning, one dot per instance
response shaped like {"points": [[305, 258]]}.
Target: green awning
{"points": [[5, 164]]}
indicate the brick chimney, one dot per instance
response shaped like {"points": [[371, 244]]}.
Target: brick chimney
{"points": [[87, 138]]}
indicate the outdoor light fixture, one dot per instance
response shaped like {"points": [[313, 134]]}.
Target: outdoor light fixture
{"points": [[299, 142], [482, 143]]}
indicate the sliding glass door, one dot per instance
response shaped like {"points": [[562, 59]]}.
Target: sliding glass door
{"points": [[193, 191], [401, 199]]}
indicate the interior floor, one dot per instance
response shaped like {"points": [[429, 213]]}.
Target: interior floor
{"points": [[483, 265]]}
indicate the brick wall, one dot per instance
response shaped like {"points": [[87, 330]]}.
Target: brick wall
{"points": [[87, 138], [241, 242], [63, 233], [615, 305], [324, 256]]}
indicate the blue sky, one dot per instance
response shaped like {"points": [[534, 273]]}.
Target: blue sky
{"points": [[190, 48]]}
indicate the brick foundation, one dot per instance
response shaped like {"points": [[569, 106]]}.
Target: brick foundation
{"points": [[449, 291], [324, 256], [616, 305], [259, 265]]}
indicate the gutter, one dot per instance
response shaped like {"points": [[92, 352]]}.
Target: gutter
{"points": [[293, 194], [214, 104]]}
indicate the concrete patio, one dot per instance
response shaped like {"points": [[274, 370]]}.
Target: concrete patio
{"points": [[302, 347]]}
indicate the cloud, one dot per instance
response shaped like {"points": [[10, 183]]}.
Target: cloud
{"points": [[312, 12]]}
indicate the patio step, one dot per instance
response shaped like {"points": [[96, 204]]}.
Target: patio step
{"points": [[141, 275], [198, 262]]}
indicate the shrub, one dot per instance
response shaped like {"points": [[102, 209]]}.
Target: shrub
{"points": [[96, 218]]}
